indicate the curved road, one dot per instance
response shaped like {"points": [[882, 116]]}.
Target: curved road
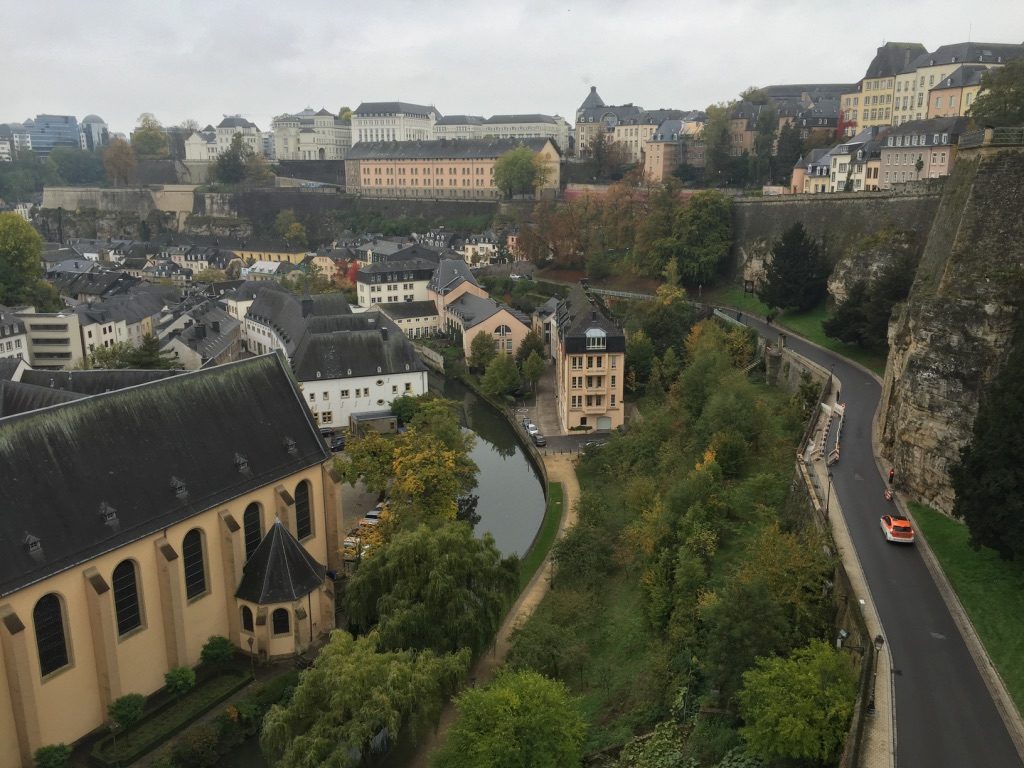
{"points": [[945, 717]]}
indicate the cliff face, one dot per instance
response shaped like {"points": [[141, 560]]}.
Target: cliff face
{"points": [[950, 338]]}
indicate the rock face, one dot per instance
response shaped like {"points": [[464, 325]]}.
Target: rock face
{"points": [[864, 259], [950, 338]]}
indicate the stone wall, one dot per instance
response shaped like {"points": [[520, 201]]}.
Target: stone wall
{"points": [[949, 340]]}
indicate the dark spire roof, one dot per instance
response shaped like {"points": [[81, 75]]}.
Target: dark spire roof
{"points": [[592, 100], [280, 570]]}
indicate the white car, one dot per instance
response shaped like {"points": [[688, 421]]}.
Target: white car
{"points": [[531, 429]]}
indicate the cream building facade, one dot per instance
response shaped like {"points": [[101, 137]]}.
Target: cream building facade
{"points": [[393, 121], [309, 135]]}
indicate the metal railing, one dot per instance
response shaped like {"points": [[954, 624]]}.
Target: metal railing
{"points": [[992, 137]]}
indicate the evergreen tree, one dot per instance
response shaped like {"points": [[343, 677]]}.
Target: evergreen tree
{"points": [[149, 355], [797, 274]]}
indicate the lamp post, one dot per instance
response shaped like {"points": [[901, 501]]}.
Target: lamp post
{"points": [[828, 494], [879, 642], [252, 658]]}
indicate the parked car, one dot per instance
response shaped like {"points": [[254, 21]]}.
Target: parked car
{"points": [[897, 529], [337, 444], [525, 421], [531, 429], [539, 440]]}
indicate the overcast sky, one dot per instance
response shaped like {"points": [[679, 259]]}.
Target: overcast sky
{"points": [[181, 59]]}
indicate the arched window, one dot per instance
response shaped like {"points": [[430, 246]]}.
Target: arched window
{"points": [[126, 598], [253, 530], [281, 622], [48, 618], [195, 563], [246, 618], [303, 518]]}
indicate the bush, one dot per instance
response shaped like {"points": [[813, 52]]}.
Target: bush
{"points": [[53, 756], [127, 710], [217, 652], [197, 748], [180, 680]]}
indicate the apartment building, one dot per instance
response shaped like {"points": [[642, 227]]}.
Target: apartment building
{"points": [[590, 364], [920, 149], [871, 104], [954, 96], [389, 282], [441, 168], [54, 339]]}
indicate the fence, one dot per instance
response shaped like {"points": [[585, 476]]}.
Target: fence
{"points": [[992, 137]]}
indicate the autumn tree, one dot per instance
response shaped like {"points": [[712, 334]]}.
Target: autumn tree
{"points": [[119, 161], [355, 692], [148, 139], [797, 274], [521, 719], [519, 171], [1001, 100], [799, 708], [438, 589]]}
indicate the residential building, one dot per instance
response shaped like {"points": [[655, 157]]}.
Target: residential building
{"points": [[376, 121], [235, 125], [195, 505], [954, 96], [552, 127], [201, 146], [49, 131], [379, 249], [811, 173], [54, 339], [95, 133], [126, 318], [599, 119], [855, 164], [6, 155], [269, 250], [416, 319], [441, 169], [459, 127], [210, 337], [18, 135], [920, 149], [390, 282], [267, 270], [13, 336], [309, 135], [663, 152], [590, 365], [450, 280], [913, 83], [633, 133], [871, 104], [819, 122], [470, 315]]}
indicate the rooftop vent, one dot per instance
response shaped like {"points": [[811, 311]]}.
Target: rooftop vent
{"points": [[108, 515], [242, 464], [33, 544], [289, 445], [179, 488]]}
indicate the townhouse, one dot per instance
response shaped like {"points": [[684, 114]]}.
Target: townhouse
{"points": [[920, 149]]}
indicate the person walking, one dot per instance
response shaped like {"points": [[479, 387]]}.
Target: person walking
{"points": [[892, 474]]}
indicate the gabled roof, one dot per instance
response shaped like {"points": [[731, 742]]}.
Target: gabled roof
{"points": [[951, 125], [94, 381], [611, 113], [441, 149], [374, 346], [577, 314], [395, 264], [450, 274], [236, 121], [18, 397], [221, 432], [280, 570], [393, 108], [969, 53], [968, 74], [402, 310]]}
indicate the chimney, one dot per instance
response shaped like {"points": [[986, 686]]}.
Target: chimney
{"points": [[200, 330], [215, 326], [384, 333]]}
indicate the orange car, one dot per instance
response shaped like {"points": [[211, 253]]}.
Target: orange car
{"points": [[897, 529]]}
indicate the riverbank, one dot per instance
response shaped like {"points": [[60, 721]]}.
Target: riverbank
{"points": [[561, 469]]}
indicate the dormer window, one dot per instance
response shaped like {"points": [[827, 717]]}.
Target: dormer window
{"points": [[33, 544], [108, 514], [596, 339], [289, 446], [241, 463], [179, 488]]}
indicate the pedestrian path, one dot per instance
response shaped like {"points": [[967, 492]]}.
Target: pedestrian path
{"points": [[561, 469]]}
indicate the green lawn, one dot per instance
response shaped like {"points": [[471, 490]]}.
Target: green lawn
{"points": [[991, 590], [807, 324], [545, 537]]}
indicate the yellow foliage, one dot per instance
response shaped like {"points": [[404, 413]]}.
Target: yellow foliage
{"points": [[709, 457]]}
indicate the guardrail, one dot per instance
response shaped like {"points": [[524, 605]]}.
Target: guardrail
{"points": [[992, 137]]}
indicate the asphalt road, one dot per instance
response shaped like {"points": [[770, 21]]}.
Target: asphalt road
{"points": [[945, 717]]}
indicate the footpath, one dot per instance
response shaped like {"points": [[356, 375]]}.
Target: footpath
{"points": [[560, 469]]}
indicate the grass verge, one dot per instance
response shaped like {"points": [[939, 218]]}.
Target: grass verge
{"points": [[545, 536], [991, 590]]}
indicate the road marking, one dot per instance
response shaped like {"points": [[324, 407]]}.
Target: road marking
{"points": [[937, 635]]}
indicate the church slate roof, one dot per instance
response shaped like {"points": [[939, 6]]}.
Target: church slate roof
{"points": [[119, 452], [95, 381], [379, 348], [593, 100], [280, 570], [17, 397]]}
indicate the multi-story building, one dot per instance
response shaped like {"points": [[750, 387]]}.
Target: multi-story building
{"points": [[920, 149], [163, 513], [590, 365], [13, 338], [954, 96], [854, 165], [552, 127], [201, 146], [470, 315], [910, 101], [590, 121], [811, 173], [49, 131], [389, 282], [375, 121], [440, 169], [663, 153], [309, 135], [54, 339], [459, 127], [633, 133], [5, 150], [95, 133], [18, 135], [234, 125], [871, 104]]}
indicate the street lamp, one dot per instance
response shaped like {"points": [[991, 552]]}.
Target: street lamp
{"points": [[879, 642], [252, 658]]}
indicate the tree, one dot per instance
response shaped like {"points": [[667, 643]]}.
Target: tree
{"points": [[532, 342], [355, 693], [119, 161], [764, 145], [639, 359], [210, 275], [295, 236], [438, 589], [481, 351], [76, 166], [1001, 100], [405, 407], [988, 479], [656, 243], [797, 274], [229, 167], [521, 719], [53, 756], [501, 376], [149, 355], [533, 369], [609, 156], [519, 171], [704, 235], [283, 221], [180, 680], [148, 139], [127, 710], [21, 250], [799, 708], [189, 125], [790, 150], [717, 144], [345, 115], [437, 417]]}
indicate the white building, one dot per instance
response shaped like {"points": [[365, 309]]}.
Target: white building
{"points": [[94, 132], [393, 121], [201, 146], [394, 281], [5, 151], [309, 135], [459, 127], [529, 127], [236, 124]]}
